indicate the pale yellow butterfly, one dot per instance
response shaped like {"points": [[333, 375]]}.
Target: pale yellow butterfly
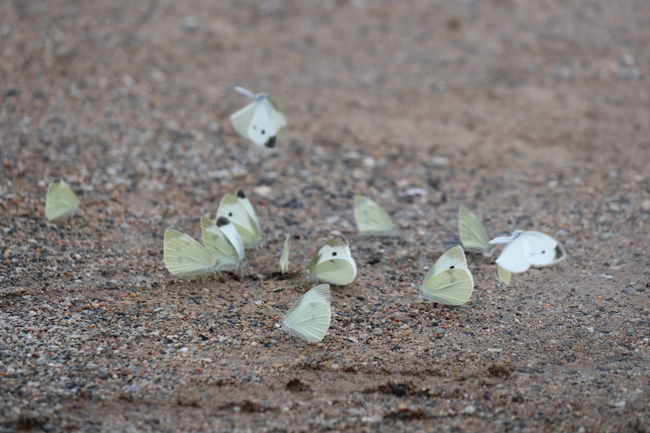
{"points": [[60, 201]]}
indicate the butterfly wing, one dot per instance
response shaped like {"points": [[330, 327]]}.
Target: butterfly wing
{"points": [[513, 257], [504, 276], [449, 287], [185, 256], [60, 200], [217, 243], [248, 207], [242, 119], [231, 208], [231, 233], [453, 258], [541, 249], [262, 129], [310, 316], [276, 114], [370, 218], [284, 258], [472, 233]]}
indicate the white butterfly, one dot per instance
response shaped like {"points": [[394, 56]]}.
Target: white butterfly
{"points": [[333, 264], [239, 210], [449, 281], [525, 249], [260, 121], [222, 240], [310, 317], [284, 257], [60, 201], [472, 233], [371, 219]]}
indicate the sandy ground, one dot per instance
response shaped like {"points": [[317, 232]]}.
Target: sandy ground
{"points": [[533, 113]]}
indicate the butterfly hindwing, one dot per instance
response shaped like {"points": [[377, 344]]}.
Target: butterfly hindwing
{"points": [[504, 276], [309, 318]]}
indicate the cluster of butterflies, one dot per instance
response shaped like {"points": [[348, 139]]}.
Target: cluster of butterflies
{"points": [[236, 228]]}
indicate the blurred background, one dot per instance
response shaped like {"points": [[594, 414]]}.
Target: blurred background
{"points": [[535, 114]]}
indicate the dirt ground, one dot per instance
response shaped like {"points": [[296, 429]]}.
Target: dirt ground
{"points": [[536, 114]]}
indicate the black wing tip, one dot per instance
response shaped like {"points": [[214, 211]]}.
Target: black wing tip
{"points": [[271, 142], [240, 193], [559, 252], [222, 221]]}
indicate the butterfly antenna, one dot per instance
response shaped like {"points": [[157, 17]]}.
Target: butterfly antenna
{"points": [[244, 91]]}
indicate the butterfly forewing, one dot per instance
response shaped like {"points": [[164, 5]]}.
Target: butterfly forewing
{"points": [[513, 257], [454, 257]]}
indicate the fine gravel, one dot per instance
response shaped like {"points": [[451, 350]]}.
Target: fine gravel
{"points": [[535, 114]]}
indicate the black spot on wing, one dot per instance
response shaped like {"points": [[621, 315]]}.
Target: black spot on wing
{"points": [[222, 221], [270, 142]]}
